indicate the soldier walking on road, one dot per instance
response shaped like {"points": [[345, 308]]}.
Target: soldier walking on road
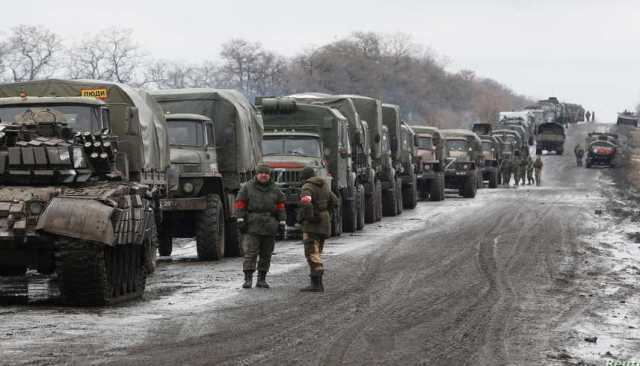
{"points": [[506, 171], [317, 201], [537, 165], [530, 178], [588, 116], [515, 167], [579, 151], [261, 215], [524, 161]]}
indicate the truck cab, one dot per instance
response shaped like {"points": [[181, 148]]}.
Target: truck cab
{"points": [[463, 161], [429, 152]]}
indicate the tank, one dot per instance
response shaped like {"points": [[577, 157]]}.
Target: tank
{"points": [[81, 180]]}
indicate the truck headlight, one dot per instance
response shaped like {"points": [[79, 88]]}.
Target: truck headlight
{"points": [[78, 158], [36, 207], [187, 188]]}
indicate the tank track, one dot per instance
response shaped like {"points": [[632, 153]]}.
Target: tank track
{"points": [[91, 274]]}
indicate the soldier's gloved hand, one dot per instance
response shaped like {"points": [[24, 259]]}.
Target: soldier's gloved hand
{"points": [[282, 225], [242, 225]]}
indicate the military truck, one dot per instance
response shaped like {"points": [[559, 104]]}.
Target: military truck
{"points": [[627, 118], [491, 151], [237, 129], [402, 187], [601, 149], [463, 159], [550, 137], [525, 119], [82, 166], [194, 206], [429, 154], [362, 162], [299, 134]]}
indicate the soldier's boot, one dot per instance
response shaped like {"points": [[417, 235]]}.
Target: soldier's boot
{"points": [[316, 283], [262, 280], [248, 279]]}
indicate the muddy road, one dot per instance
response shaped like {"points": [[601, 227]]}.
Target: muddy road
{"points": [[495, 280]]}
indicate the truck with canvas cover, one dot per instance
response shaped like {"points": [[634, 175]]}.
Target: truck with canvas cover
{"points": [[627, 118], [491, 150], [82, 164], [601, 149], [402, 186], [237, 129], [550, 137], [362, 163], [463, 159], [429, 153], [519, 118], [299, 134], [193, 207]]}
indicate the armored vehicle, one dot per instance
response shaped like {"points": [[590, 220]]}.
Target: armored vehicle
{"points": [[194, 206], [402, 186], [429, 154], [81, 178], [362, 162], [601, 149], [237, 129], [550, 137], [463, 159], [299, 134], [627, 118]]}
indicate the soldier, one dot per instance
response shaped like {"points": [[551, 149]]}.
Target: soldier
{"points": [[588, 115], [317, 202], [524, 162], [506, 171], [537, 165], [261, 215], [593, 116], [530, 170], [579, 152], [515, 167]]}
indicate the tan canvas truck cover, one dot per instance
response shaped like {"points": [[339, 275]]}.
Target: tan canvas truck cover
{"points": [[149, 151], [238, 126]]}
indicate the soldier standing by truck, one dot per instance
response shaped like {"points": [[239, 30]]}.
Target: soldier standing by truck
{"points": [[524, 163], [261, 216], [506, 171], [530, 178], [537, 165], [317, 201], [579, 152]]}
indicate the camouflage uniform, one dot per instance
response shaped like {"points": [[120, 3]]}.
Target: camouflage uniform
{"points": [[505, 171], [261, 212], [317, 202], [524, 162], [537, 165], [515, 169], [530, 179]]}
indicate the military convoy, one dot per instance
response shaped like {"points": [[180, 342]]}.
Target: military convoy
{"points": [[81, 180]]}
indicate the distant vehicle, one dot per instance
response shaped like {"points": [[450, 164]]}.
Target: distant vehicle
{"points": [[525, 118], [429, 155], [463, 160], [550, 137], [491, 150], [602, 148], [627, 118]]}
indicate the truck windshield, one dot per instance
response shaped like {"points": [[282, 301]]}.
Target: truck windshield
{"points": [[487, 146], [457, 145], [290, 145], [77, 117], [185, 133], [424, 142]]}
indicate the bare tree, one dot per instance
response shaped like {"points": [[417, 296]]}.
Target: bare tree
{"points": [[32, 52], [88, 59], [124, 55]]}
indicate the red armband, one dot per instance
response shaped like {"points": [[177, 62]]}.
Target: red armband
{"points": [[280, 206], [240, 204]]}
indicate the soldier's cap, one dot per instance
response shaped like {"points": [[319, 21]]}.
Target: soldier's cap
{"points": [[307, 173], [263, 168]]}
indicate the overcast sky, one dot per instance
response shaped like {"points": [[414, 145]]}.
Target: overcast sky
{"points": [[581, 51]]}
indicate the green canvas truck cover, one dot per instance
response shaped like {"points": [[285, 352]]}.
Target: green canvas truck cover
{"points": [[238, 126], [370, 110], [152, 154], [391, 119]]}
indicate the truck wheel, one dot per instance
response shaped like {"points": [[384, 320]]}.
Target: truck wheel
{"points": [[165, 244], [361, 206], [378, 200], [493, 179], [410, 193], [538, 151], [389, 201], [336, 219], [210, 237], [232, 241], [350, 211], [469, 187], [560, 151], [370, 204], [399, 204], [437, 188]]}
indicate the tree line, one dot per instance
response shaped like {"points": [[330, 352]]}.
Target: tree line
{"points": [[392, 67]]}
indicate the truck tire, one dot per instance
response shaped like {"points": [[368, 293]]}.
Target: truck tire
{"points": [[378, 200], [336, 219], [399, 203], [361, 206], [560, 151], [410, 193], [538, 151], [437, 188], [370, 204], [210, 238], [390, 200], [469, 187], [493, 179], [350, 211], [232, 241], [165, 244]]}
